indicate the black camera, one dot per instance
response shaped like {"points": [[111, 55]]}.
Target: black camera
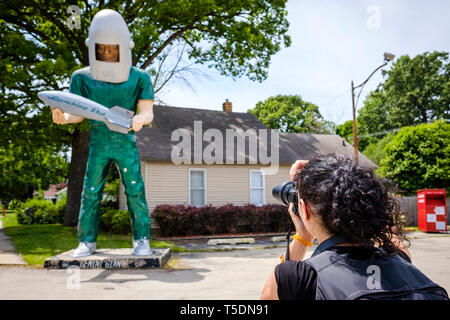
{"points": [[287, 193]]}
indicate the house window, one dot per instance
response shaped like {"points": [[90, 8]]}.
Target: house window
{"points": [[256, 187], [197, 187]]}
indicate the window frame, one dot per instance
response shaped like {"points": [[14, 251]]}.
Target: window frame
{"points": [[204, 185], [263, 188]]}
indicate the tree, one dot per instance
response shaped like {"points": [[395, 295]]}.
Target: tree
{"points": [[419, 157], [416, 90], [289, 113], [376, 150], [373, 116], [345, 130], [39, 50], [26, 170]]}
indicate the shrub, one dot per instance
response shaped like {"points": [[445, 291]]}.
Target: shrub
{"points": [[111, 191], [115, 221], [14, 204], [38, 211], [375, 150], [61, 206], [419, 157], [179, 220]]}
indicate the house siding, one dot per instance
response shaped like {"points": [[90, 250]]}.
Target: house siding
{"points": [[166, 183]]}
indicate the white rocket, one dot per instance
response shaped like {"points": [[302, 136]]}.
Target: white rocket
{"points": [[116, 118]]}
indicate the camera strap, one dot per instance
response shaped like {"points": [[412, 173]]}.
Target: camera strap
{"points": [[288, 237]]}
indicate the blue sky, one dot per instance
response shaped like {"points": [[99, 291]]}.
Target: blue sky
{"points": [[333, 43]]}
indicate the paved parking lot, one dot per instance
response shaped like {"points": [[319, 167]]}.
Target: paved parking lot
{"points": [[235, 274]]}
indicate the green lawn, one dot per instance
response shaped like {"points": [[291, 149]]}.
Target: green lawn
{"points": [[39, 242]]}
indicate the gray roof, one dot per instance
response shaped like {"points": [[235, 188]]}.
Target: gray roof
{"points": [[306, 146], [155, 143], [172, 118]]}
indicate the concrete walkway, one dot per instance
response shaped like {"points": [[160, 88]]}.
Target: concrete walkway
{"points": [[8, 255], [223, 275]]}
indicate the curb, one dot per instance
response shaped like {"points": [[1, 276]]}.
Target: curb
{"points": [[221, 236]]}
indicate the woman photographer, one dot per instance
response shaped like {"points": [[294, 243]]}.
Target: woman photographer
{"points": [[361, 254]]}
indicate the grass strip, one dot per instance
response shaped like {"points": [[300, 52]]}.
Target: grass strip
{"points": [[38, 242]]}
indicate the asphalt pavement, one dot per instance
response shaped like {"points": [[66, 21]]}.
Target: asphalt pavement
{"points": [[236, 273]]}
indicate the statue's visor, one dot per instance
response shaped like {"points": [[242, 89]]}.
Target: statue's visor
{"points": [[107, 52]]}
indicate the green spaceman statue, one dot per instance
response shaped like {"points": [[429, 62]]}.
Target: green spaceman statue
{"points": [[110, 80]]}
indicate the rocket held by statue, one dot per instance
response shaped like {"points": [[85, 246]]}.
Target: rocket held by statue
{"points": [[116, 118]]}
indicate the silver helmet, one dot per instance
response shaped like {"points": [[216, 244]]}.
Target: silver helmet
{"points": [[110, 47]]}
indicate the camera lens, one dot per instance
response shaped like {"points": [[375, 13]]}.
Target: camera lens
{"points": [[286, 193]]}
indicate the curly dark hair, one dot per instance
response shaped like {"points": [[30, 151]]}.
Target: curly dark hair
{"points": [[351, 201]]}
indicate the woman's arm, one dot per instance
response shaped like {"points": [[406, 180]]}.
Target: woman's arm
{"points": [[270, 290]]}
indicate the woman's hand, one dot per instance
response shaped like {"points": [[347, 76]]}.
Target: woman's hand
{"points": [[298, 165], [300, 228]]}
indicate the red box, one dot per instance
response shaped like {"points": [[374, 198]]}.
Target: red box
{"points": [[432, 210]]}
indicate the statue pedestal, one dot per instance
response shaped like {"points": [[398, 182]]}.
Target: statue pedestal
{"points": [[110, 259]]}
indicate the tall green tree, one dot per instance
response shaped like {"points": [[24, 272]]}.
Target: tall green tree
{"points": [[345, 130], [290, 113], [373, 116], [39, 50], [419, 157], [416, 90]]}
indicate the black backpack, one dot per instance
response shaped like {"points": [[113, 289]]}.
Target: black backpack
{"points": [[382, 277]]}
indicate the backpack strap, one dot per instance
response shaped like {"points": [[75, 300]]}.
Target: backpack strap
{"points": [[328, 244]]}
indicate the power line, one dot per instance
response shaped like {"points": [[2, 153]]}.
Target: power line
{"points": [[395, 129], [338, 96]]}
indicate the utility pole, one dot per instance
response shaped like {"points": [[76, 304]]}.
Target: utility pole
{"points": [[387, 57], [355, 135]]}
